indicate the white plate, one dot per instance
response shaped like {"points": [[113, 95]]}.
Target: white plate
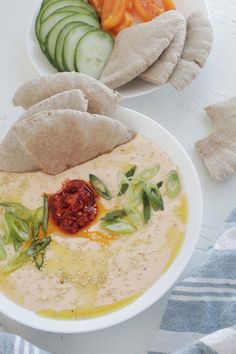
{"points": [[152, 130], [134, 88]]}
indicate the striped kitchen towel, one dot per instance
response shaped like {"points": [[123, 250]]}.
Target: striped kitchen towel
{"points": [[12, 344], [201, 313]]}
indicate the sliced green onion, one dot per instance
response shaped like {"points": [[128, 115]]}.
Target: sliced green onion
{"points": [[148, 173], [3, 254], [160, 184], [5, 231], [129, 173], [39, 260], [120, 213], [15, 263], [154, 196], [37, 221], [134, 215], [173, 184], [119, 227], [19, 230], [146, 208], [17, 245], [18, 210], [45, 213], [39, 246], [99, 187], [135, 193]]}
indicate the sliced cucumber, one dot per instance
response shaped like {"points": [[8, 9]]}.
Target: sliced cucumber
{"points": [[60, 42], [50, 7], [59, 4], [93, 52], [78, 9], [70, 44], [49, 23], [46, 2], [52, 35]]}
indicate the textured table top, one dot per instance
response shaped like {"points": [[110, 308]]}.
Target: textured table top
{"points": [[182, 114]]}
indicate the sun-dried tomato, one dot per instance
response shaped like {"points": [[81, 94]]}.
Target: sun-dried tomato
{"points": [[74, 206]]}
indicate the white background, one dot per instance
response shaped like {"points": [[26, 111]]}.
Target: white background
{"points": [[182, 114]]}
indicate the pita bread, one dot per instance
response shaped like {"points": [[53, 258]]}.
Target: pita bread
{"points": [[101, 98], [138, 47], [159, 73], [198, 45], [13, 156], [218, 151], [58, 140]]}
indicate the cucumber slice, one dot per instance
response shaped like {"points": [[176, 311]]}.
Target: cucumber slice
{"points": [[52, 35], [70, 44], [93, 52], [49, 23], [60, 42], [46, 2], [78, 9], [51, 6]]}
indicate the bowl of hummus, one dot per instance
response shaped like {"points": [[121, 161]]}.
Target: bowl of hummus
{"points": [[100, 242]]}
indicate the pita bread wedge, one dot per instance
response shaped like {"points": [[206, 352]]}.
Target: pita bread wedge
{"points": [[138, 47], [159, 73], [198, 45], [218, 151], [13, 156], [102, 99], [60, 139]]}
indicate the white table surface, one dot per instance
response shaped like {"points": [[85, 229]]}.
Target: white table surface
{"points": [[182, 114]]}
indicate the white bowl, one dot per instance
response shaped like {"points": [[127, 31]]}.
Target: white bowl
{"points": [[155, 132], [134, 88]]}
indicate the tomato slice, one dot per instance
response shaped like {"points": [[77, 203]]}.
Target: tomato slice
{"points": [[98, 4], [147, 9], [129, 5], [112, 13], [127, 21], [169, 5]]}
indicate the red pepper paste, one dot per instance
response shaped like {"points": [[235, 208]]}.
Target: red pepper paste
{"points": [[74, 206]]}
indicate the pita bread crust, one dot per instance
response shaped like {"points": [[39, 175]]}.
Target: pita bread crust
{"points": [[60, 139], [218, 151], [197, 47], [101, 98], [159, 73], [184, 73], [138, 47], [13, 156]]}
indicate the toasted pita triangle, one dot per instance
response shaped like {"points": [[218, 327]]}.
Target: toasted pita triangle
{"points": [[159, 73], [198, 45], [58, 140], [13, 156], [138, 47], [218, 151], [101, 98]]}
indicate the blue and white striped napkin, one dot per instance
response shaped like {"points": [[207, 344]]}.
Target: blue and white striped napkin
{"points": [[12, 344], [201, 312]]}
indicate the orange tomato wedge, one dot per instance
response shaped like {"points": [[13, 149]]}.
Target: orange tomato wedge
{"points": [[147, 9], [129, 5], [169, 5], [98, 4], [127, 21], [112, 13]]}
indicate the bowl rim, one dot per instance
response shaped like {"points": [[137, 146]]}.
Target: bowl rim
{"points": [[167, 280], [129, 90]]}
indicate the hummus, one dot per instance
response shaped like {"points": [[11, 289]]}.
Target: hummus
{"points": [[84, 276]]}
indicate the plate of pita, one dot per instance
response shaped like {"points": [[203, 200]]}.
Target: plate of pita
{"points": [[100, 207], [132, 49]]}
